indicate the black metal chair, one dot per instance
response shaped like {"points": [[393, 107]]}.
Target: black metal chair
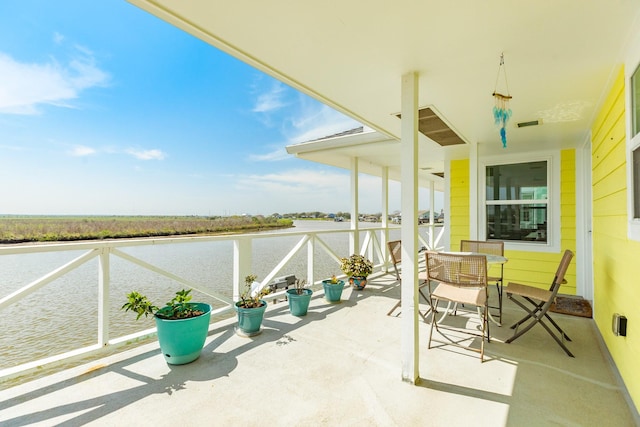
{"points": [[539, 301]]}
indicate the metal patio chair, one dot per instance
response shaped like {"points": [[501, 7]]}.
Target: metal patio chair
{"points": [[395, 250], [539, 302], [492, 247], [459, 279]]}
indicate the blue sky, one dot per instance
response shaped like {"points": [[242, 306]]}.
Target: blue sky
{"points": [[105, 109]]}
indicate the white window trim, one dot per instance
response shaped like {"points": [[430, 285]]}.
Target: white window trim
{"points": [[631, 64], [553, 202]]}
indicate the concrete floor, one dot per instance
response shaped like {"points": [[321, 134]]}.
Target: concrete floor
{"points": [[339, 365]]}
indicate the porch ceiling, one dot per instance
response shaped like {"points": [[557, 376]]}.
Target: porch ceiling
{"points": [[559, 57]]}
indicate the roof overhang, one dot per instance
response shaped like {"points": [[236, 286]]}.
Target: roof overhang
{"points": [[560, 58]]}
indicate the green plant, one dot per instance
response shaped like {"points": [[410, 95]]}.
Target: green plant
{"points": [[356, 265], [300, 285], [334, 280], [178, 308], [248, 299]]}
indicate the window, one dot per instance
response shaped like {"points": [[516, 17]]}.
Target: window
{"points": [[517, 202]]}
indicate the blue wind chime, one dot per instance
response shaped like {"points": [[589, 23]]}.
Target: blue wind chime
{"points": [[501, 110]]}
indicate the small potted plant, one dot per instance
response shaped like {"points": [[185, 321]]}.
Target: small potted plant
{"points": [[251, 308], [357, 268], [333, 289], [182, 325], [299, 298]]}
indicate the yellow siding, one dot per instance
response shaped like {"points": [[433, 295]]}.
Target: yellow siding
{"points": [[459, 202], [616, 268]]}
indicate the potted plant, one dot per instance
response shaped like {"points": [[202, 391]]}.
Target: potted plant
{"points": [[333, 289], [182, 325], [357, 268], [251, 308], [299, 298]]}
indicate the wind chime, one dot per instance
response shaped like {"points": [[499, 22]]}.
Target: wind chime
{"points": [[501, 110]]}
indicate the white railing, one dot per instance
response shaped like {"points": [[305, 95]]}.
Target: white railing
{"points": [[373, 245]]}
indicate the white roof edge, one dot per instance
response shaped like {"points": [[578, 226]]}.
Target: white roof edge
{"points": [[366, 137]]}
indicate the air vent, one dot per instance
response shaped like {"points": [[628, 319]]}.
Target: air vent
{"points": [[531, 123]]}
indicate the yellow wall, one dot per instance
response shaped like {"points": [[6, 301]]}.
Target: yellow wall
{"points": [[616, 258], [534, 268], [459, 202]]}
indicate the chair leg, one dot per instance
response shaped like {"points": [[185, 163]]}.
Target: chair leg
{"points": [[399, 303], [536, 316], [394, 308], [531, 313], [558, 340], [499, 288], [564, 335]]}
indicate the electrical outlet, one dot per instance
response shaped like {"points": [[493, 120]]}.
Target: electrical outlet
{"points": [[619, 325]]}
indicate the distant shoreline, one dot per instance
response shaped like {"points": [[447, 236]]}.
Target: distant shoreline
{"points": [[16, 229]]}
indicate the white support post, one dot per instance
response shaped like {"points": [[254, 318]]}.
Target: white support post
{"points": [[432, 206], [473, 191], [241, 265], [409, 230], [354, 238], [103, 297], [384, 235], [310, 258]]}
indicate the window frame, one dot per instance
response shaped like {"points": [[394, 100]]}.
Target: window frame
{"points": [[632, 144], [553, 199]]}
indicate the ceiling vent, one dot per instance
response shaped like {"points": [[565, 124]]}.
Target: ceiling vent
{"points": [[531, 123], [432, 126]]}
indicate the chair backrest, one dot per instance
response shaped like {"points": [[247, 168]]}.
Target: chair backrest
{"points": [[492, 247], [558, 279], [457, 270], [395, 250]]}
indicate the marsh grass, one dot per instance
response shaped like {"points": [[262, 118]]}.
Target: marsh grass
{"points": [[22, 229]]}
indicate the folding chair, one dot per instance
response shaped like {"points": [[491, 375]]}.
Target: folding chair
{"points": [[459, 279], [492, 247], [395, 250], [540, 300]]}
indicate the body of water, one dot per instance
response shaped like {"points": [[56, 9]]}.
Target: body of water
{"points": [[62, 315]]}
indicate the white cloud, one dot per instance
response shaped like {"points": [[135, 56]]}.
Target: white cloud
{"points": [[25, 86], [277, 154], [295, 181], [81, 151], [271, 100], [306, 120], [146, 154]]}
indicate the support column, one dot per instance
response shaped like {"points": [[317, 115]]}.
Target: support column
{"points": [[473, 191], [432, 222], [354, 237], [409, 230], [384, 235]]}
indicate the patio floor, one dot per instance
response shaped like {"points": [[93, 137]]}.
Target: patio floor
{"points": [[339, 365]]}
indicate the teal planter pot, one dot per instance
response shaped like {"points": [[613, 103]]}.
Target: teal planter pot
{"points": [[358, 282], [299, 303], [333, 291], [181, 340], [250, 319]]}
